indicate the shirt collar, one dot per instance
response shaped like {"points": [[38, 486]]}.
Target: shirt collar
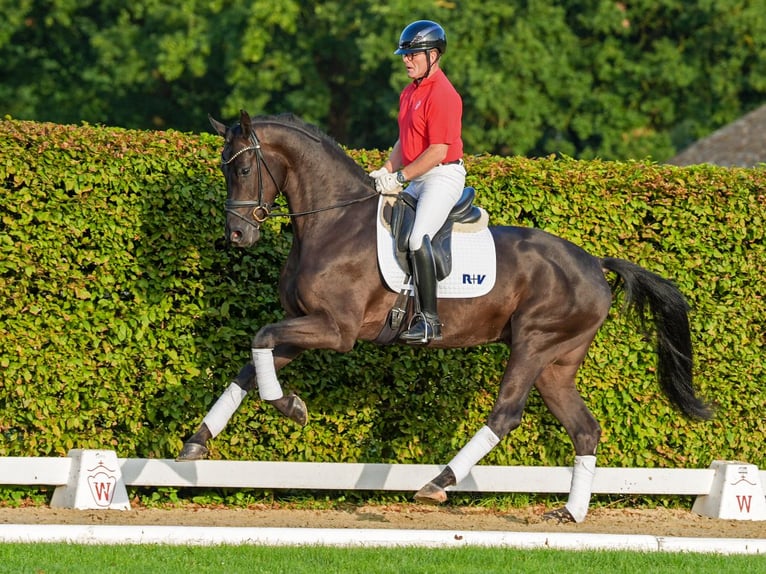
{"points": [[430, 79]]}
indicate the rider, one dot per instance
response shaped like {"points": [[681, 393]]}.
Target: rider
{"points": [[428, 154]]}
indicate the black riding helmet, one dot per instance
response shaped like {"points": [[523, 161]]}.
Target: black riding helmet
{"points": [[422, 36]]}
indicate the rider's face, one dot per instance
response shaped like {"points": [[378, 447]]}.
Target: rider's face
{"points": [[416, 64]]}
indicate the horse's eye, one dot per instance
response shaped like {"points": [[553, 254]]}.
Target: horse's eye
{"points": [[244, 171]]}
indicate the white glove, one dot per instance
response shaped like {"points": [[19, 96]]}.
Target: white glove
{"points": [[378, 172], [387, 183]]}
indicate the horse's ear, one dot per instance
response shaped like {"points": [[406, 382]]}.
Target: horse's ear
{"points": [[245, 123], [217, 126]]}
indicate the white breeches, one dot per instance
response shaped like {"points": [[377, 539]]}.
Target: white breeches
{"points": [[437, 191]]}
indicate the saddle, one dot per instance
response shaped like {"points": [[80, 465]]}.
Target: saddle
{"points": [[464, 269], [403, 219]]}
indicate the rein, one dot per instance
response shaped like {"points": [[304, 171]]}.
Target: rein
{"points": [[262, 210]]}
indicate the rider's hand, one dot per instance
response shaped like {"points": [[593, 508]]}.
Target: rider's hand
{"points": [[378, 172], [386, 182]]}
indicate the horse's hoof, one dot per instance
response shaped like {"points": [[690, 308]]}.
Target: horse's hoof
{"points": [[297, 410], [192, 451], [431, 494], [559, 516]]}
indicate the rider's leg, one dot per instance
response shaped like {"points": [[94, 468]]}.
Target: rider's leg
{"points": [[426, 325], [436, 193]]}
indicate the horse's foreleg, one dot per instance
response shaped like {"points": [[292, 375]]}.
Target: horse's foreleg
{"points": [[318, 331], [273, 347], [557, 388], [195, 448], [270, 390], [260, 373]]}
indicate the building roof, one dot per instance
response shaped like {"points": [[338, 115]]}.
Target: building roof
{"points": [[741, 143]]}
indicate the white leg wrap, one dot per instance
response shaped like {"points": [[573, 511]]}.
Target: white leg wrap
{"points": [[224, 408], [481, 443], [582, 486], [266, 375]]}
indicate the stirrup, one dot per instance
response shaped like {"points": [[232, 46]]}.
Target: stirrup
{"points": [[422, 330]]}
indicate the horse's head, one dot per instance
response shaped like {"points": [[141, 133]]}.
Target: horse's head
{"points": [[250, 184]]}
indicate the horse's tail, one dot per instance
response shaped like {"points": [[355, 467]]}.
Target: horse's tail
{"points": [[655, 298]]}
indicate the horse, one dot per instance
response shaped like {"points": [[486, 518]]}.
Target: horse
{"points": [[548, 302]]}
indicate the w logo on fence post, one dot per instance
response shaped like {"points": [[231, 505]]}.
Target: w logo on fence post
{"points": [[102, 484], [736, 493], [95, 481], [744, 502]]}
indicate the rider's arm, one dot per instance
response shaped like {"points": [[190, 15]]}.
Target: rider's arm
{"points": [[394, 162], [432, 156]]}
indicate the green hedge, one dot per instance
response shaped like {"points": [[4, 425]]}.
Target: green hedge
{"points": [[124, 315]]}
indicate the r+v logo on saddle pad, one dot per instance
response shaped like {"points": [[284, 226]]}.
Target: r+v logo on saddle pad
{"points": [[473, 279]]}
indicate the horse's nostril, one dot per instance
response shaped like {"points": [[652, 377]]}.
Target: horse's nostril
{"points": [[235, 236]]}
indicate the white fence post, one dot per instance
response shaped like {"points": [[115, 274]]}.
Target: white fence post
{"points": [[95, 481], [736, 493]]}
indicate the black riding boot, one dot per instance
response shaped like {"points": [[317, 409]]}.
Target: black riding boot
{"points": [[426, 325]]}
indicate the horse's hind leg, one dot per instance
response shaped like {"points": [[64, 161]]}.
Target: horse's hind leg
{"points": [[556, 386], [521, 372], [553, 374]]}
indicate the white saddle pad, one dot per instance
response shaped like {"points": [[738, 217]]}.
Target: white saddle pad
{"points": [[474, 266]]}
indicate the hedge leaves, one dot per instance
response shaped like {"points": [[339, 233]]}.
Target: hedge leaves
{"points": [[124, 314]]}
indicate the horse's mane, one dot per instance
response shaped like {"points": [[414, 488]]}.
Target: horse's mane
{"points": [[292, 121]]}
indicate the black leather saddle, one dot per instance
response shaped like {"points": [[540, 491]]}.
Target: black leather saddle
{"points": [[403, 219]]}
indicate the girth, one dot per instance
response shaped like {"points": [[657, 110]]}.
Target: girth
{"points": [[403, 219]]}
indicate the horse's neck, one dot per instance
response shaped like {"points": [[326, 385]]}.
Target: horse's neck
{"points": [[319, 180], [327, 218], [322, 184]]}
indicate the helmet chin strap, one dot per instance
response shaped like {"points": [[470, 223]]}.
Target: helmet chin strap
{"points": [[428, 66]]}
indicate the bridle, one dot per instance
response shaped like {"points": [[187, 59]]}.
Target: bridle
{"points": [[262, 209]]}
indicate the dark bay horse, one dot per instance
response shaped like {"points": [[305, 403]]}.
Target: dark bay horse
{"points": [[549, 299]]}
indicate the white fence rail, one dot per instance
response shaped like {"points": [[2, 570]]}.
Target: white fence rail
{"points": [[406, 477], [55, 471], [64, 472]]}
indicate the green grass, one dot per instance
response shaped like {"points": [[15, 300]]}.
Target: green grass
{"points": [[74, 559]]}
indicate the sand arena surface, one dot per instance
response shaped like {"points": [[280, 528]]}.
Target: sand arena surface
{"points": [[655, 522]]}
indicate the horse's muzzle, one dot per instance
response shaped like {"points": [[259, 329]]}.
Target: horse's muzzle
{"points": [[246, 236]]}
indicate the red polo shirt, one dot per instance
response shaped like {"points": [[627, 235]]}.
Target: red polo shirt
{"points": [[430, 113]]}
